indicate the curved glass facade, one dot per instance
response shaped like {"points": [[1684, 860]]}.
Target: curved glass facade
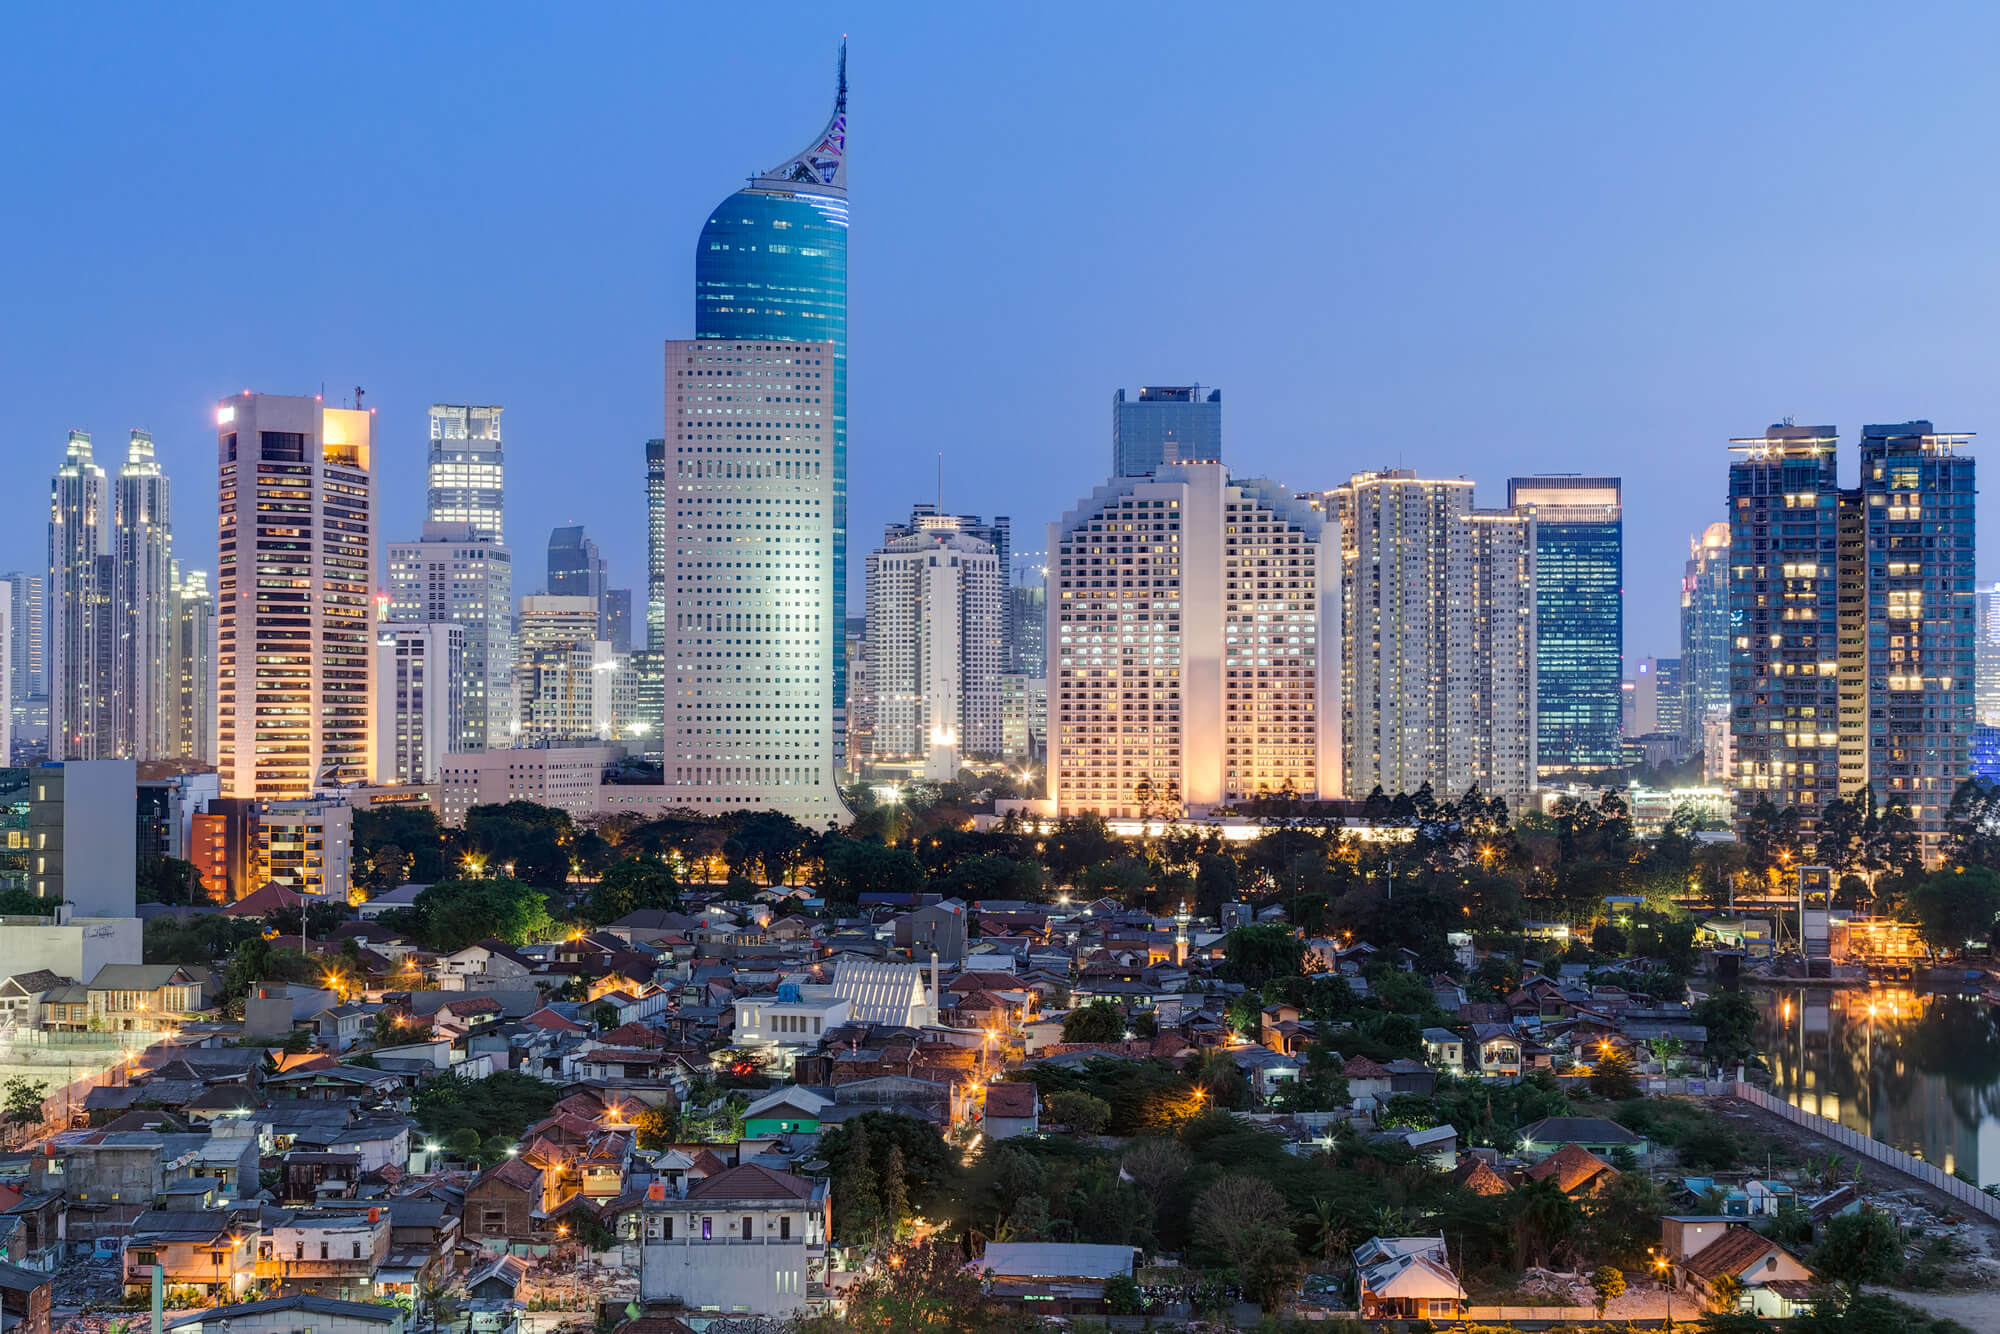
{"points": [[772, 266]]}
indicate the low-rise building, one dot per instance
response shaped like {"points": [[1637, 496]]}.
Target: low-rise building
{"points": [[210, 1251], [746, 1240], [1406, 1278], [290, 1315], [1053, 1278]]}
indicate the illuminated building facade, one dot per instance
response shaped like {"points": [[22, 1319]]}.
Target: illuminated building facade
{"points": [[452, 575], [935, 651], [1705, 634], [82, 641], [143, 542], [295, 649], [1190, 647], [417, 722], [468, 469], [1580, 610]]}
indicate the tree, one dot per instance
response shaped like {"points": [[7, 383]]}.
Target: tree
{"points": [[1083, 1113], [163, 880], [1614, 1077], [1858, 1248], [1098, 1021], [656, 1128], [922, 1289], [849, 866], [1956, 906], [1157, 1167], [1321, 1085], [1122, 1295], [22, 1101], [895, 1190], [630, 885], [1727, 1289], [1247, 1221], [1608, 1284], [456, 913], [1253, 955], [1731, 1021]]}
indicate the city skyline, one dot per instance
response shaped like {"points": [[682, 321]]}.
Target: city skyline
{"points": [[1682, 375]]}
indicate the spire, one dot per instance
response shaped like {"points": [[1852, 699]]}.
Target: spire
{"points": [[821, 168]]}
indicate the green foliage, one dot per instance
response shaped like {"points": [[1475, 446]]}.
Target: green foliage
{"points": [[199, 940], [1857, 1248], [160, 880], [1870, 1313], [456, 913], [925, 1289], [1098, 1021], [521, 841], [21, 1099], [1321, 1085], [877, 1157], [1613, 1076], [1731, 1021], [1143, 1095], [1083, 1113], [1705, 1141], [1625, 1219], [630, 885], [852, 865], [418, 845], [1609, 1285], [1956, 906], [504, 1103], [1253, 955]]}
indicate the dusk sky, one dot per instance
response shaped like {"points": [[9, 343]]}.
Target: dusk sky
{"points": [[1469, 240]]}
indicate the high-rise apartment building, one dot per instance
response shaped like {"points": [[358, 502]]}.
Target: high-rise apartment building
{"points": [[934, 645], [1669, 699], [1027, 628], [659, 544], [999, 534], [194, 661], [1024, 717], [753, 621], [1163, 426], [27, 622], [1986, 657], [468, 469], [451, 575], [771, 266], [1580, 615], [6, 687], [295, 648], [567, 681], [1705, 633], [82, 592], [149, 676], [1437, 610], [417, 702], [1190, 664]]}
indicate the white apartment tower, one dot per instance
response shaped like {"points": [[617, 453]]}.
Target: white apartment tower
{"points": [[936, 645], [295, 649], [452, 575], [1437, 646], [149, 675], [1188, 638], [82, 636], [753, 614], [417, 701], [467, 469]]}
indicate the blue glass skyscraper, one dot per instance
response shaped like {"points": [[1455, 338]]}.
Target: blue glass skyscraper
{"points": [[1580, 618], [771, 266]]}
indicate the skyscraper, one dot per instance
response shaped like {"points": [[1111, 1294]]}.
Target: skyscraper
{"points": [[575, 568], [468, 469], [564, 685], [999, 535], [659, 549], [295, 577], [752, 620], [26, 628], [1165, 425], [1580, 618], [1986, 656], [451, 575], [615, 624], [1784, 500], [1187, 625], [194, 630], [771, 266], [149, 675], [1437, 631], [934, 650], [83, 701], [1705, 633], [417, 702]]}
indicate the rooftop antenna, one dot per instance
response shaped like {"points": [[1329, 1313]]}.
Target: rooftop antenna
{"points": [[940, 508], [358, 392], [840, 98]]}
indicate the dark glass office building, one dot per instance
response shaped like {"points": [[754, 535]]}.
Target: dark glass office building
{"points": [[1166, 424], [771, 265], [1580, 616]]}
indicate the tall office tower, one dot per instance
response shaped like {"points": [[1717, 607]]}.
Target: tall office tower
{"points": [[6, 676], [468, 469], [1645, 707], [83, 714], [1164, 426], [563, 678], [616, 623], [1917, 490], [451, 575], [858, 731], [194, 631], [753, 620], [417, 703], [149, 677], [1027, 629], [1669, 701], [934, 660], [749, 287], [1431, 691], [1503, 671], [1187, 616], [24, 638], [1024, 717], [295, 652], [1986, 656], [1580, 610], [649, 698], [659, 548], [1705, 632], [1784, 504], [575, 568]]}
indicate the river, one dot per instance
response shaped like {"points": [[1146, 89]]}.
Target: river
{"points": [[1916, 1070]]}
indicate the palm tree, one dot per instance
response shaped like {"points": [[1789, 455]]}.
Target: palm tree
{"points": [[1727, 1289], [1330, 1228]]}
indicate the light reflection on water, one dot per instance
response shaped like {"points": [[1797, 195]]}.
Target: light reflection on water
{"points": [[1916, 1070]]}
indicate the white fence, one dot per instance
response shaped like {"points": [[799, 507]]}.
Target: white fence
{"points": [[1967, 1194]]}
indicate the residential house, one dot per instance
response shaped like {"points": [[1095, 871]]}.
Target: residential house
{"points": [[290, 1315], [1495, 1050], [772, 1227], [1445, 1050], [509, 1204], [1406, 1278], [1011, 1110], [787, 1110], [209, 1251], [1600, 1135], [1774, 1283], [66, 1008], [1576, 1171], [340, 1027], [326, 1254], [25, 1298], [125, 997], [1053, 1278], [21, 997]]}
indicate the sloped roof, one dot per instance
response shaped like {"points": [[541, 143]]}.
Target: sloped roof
{"points": [[1577, 1130], [1573, 1167], [1477, 1175], [1050, 1259], [1010, 1100], [267, 898], [751, 1182], [1731, 1253]]}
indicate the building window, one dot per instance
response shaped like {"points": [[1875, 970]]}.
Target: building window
{"points": [[708, 1229], [746, 1229], [785, 1228]]}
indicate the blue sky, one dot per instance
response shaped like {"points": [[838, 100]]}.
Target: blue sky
{"points": [[1472, 240]]}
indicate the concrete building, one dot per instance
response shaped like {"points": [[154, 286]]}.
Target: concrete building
{"points": [[1438, 616], [25, 633], [418, 704], [563, 683], [754, 608], [82, 640], [1986, 657], [194, 661], [149, 671], [1024, 717], [1705, 635], [304, 846], [83, 821], [935, 649], [451, 574], [1580, 617], [9, 678], [566, 777], [294, 663], [1186, 619], [468, 470], [658, 548], [746, 1240], [1165, 425]]}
